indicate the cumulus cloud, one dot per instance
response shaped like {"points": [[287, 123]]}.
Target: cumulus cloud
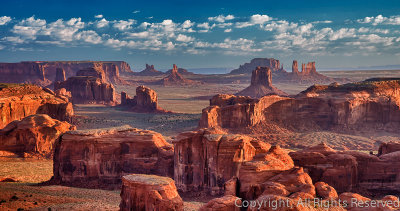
{"points": [[102, 23], [89, 36], [221, 18], [256, 19], [98, 16], [4, 20], [123, 24], [380, 19], [184, 38]]}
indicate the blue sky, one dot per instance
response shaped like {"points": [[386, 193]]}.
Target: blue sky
{"points": [[197, 34]]}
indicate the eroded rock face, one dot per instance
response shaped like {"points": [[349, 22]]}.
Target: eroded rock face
{"points": [[93, 72], [100, 157], [350, 170], [145, 101], [175, 78], [206, 159], [60, 75], [19, 101], [261, 84], [360, 106], [34, 135], [229, 111], [148, 193], [88, 89], [44, 72], [225, 203], [295, 67], [389, 147]]}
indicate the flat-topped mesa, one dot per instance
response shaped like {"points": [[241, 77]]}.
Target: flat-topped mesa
{"points": [[175, 78], [100, 157], [148, 193], [272, 63], [89, 87], [93, 72], [60, 75], [32, 136], [149, 71], [295, 67], [23, 72], [19, 101], [145, 101], [261, 84]]}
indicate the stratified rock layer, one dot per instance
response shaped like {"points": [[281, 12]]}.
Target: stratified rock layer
{"points": [[100, 157], [261, 84], [271, 63], [145, 101], [175, 78], [148, 193], [88, 89], [19, 101], [60, 75], [34, 135]]}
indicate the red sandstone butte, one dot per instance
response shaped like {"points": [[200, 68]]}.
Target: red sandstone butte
{"points": [[100, 157], [145, 101], [20, 101], [148, 193], [175, 78], [34, 135], [261, 84], [149, 71]]}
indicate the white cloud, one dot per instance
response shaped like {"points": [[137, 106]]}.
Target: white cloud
{"points": [[89, 36], [136, 11], [4, 20], [143, 34], [29, 28], [256, 19], [16, 40], [317, 22], [342, 33], [392, 20], [187, 24], [221, 18], [98, 16], [123, 24], [228, 30], [102, 23], [184, 38]]}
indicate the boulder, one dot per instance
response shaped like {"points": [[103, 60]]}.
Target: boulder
{"points": [[261, 84], [19, 101], [325, 191], [33, 135], [148, 193], [100, 157], [145, 101], [389, 147], [225, 203]]}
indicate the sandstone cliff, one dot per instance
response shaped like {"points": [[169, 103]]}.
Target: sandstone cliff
{"points": [[100, 157], [33, 135], [261, 84], [19, 101], [44, 72], [88, 89], [145, 101], [60, 75], [272, 63]]}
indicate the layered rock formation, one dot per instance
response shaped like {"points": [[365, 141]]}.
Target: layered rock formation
{"points": [[33, 135], [351, 170], [272, 63], [149, 71], [175, 78], [181, 71], [261, 84], [89, 86], [145, 101], [44, 72], [19, 101], [100, 157], [60, 75], [363, 106], [206, 159], [148, 193]]}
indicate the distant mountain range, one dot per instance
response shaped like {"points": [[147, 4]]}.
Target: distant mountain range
{"points": [[383, 67]]}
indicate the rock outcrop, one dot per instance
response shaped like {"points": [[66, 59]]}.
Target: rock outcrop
{"points": [[19, 101], [149, 71], [175, 78], [145, 101], [60, 75], [88, 87], [362, 106], [45, 72], [148, 193], [181, 71], [34, 135], [351, 170], [272, 63], [225, 203], [100, 157], [261, 84]]}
